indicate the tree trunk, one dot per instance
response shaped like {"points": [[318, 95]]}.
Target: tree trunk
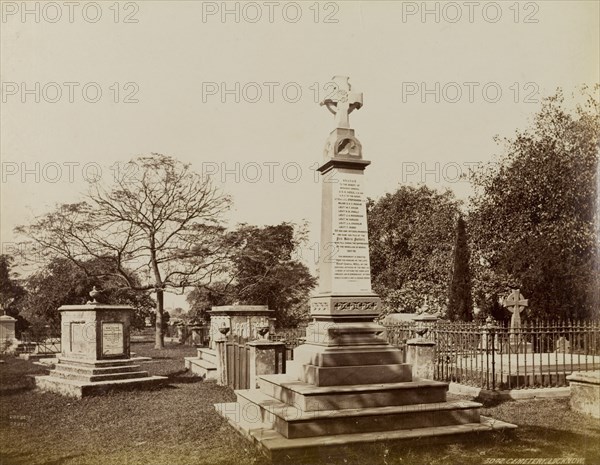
{"points": [[160, 308]]}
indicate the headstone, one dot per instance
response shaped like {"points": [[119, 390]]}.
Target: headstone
{"points": [[7, 328], [489, 336], [563, 345], [346, 385], [8, 340], [516, 304], [95, 352]]}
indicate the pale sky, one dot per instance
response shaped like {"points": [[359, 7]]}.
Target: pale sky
{"points": [[430, 74]]}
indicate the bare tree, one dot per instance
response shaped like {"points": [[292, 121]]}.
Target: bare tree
{"points": [[158, 224]]}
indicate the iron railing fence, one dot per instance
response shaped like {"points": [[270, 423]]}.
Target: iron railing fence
{"points": [[498, 357], [46, 341], [493, 355], [293, 337]]}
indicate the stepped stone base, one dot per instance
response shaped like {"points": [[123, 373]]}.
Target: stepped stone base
{"points": [[343, 396], [203, 365], [281, 449], [80, 378], [35, 356]]}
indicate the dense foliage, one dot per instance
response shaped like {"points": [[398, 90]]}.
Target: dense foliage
{"points": [[411, 236], [534, 217], [63, 282], [460, 301], [262, 270]]}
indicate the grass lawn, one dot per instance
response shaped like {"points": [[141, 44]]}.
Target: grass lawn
{"points": [[178, 425]]}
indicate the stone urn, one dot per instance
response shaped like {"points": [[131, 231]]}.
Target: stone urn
{"points": [[94, 294], [262, 330], [224, 330]]}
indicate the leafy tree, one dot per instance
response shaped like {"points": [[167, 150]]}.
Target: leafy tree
{"points": [[460, 302], [410, 245], [262, 270], [158, 225], [63, 282], [202, 299], [11, 292], [534, 218]]}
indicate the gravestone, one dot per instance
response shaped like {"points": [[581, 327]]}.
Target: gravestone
{"points": [[95, 352], [243, 322], [516, 304], [563, 345], [8, 340], [346, 384]]}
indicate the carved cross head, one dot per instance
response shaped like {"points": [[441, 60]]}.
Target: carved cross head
{"points": [[341, 101], [515, 302]]}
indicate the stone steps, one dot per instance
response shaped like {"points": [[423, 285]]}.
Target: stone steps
{"points": [[292, 422], [210, 355], [86, 377], [100, 363], [78, 369], [200, 367], [295, 450], [79, 389], [308, 397]]}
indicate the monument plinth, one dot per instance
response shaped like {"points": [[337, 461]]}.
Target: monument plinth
{"points": [[243, 321], [346, 384], [7, 332], [95, 353]]}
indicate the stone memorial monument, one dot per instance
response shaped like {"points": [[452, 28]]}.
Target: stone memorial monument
{"points": [[346, 385], [243, 321], [95, 352], [7, 331], [516, 303]]}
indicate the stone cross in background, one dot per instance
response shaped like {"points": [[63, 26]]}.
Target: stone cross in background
{"points": [[515, 303], [342, 102]]}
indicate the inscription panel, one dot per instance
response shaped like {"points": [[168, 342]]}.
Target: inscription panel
{"points": [[112, 339], [350, 242], [79, 344]]}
